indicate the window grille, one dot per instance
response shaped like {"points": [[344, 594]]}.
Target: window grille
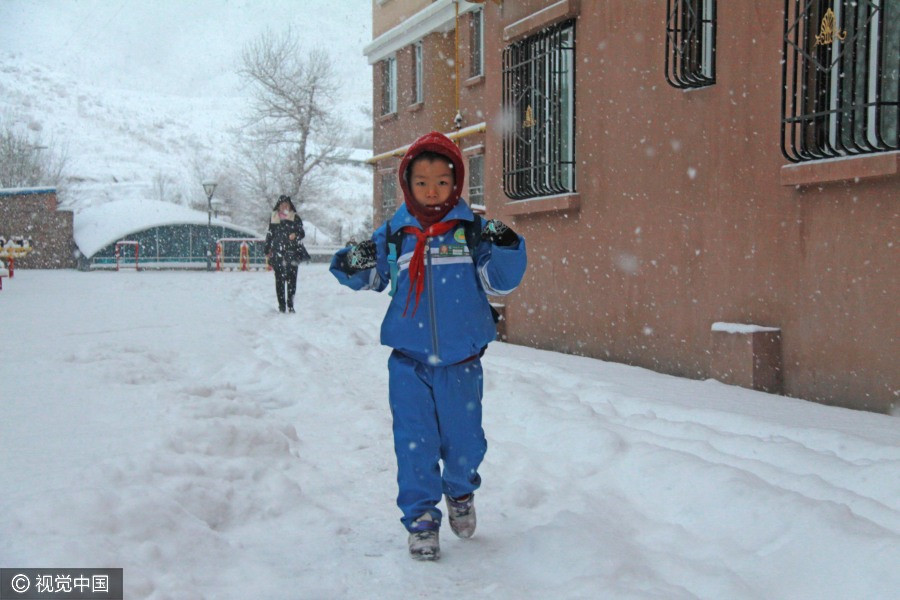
{"points": [[539, 108], [690, 43], [388, 195], [476, 43], [476, 179], [840, 81], [389, 86], [418, 74]]}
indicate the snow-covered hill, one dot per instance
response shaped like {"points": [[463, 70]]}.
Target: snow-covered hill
{"points": [[123, 144], [145, 99], [118, 142]]}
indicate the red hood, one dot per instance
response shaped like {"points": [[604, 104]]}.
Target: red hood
{"points": [[441, 144]]}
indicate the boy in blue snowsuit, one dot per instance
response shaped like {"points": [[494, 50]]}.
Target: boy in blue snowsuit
{"points": [[441, 260]]}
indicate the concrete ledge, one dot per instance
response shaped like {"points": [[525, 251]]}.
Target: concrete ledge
{"points": [[841, 169], [473, 81], [391, 116], [556, 12], [747, 355], [563, 202]]}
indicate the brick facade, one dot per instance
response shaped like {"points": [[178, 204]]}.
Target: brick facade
{"points": [[34, 213], [685, 213]]}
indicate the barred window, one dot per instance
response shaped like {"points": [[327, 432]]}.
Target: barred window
{"points": [[388, 195], [476, 43], [840, 78], [418, 73], [539, 108], [691, 43], [389, 85], [476, 179]]}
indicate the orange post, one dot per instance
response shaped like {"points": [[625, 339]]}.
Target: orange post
{"points": [[245, 256]]}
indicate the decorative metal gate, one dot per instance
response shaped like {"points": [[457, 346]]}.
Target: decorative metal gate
{"points": [[539, 104], [841, 78]]}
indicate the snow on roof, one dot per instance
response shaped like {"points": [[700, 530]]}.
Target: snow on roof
{"points": [[24, 191], [96, 227]]}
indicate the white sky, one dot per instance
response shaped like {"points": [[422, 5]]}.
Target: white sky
{"points": [[179, 47]]}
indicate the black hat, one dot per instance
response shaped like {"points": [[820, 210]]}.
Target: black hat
{"points": [[285, 198]]}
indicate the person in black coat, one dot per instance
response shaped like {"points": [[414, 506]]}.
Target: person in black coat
{"points": [[284, 250]]}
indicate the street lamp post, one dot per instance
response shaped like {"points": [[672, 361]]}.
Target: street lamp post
{"points": [[209, 187]]}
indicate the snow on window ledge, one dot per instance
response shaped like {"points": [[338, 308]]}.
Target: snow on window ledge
{"points": [[845, 168], [391, 116], [473, 81]]}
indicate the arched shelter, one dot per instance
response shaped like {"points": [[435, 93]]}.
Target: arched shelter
{"points": [[167, 235]]}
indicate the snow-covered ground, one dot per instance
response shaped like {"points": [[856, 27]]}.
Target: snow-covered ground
{"points": [[174, 424]]}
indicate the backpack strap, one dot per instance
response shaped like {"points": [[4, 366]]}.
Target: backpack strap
{"points": [[394, 244], [473, 234]]}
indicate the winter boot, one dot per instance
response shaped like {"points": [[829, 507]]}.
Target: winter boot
{"points": [[423, 539], [461, 513]]}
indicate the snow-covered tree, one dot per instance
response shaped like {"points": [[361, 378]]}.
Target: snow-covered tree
{"points": [[292, 128], [25, 161]]}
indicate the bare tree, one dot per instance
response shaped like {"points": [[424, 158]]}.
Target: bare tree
{"points": [[264, 174], [161, 186], [26, 162], [292, 126]]}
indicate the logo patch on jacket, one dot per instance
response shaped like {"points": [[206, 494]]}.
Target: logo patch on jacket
{"points": [[459, 236], [453, 250]]}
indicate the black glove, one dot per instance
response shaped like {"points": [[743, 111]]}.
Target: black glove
{"points": [[360, 257], [499, 234]]}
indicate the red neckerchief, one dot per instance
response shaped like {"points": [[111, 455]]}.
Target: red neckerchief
{"points": [[417, 263]]}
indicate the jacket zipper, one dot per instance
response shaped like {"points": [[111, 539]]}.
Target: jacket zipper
{"points": [[432, 310]]}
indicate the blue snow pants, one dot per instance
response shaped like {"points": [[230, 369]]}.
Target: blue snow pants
{"points": [[437, 418]]}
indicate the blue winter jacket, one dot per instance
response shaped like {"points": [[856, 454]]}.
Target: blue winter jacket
{"points": [[453, 321]]}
